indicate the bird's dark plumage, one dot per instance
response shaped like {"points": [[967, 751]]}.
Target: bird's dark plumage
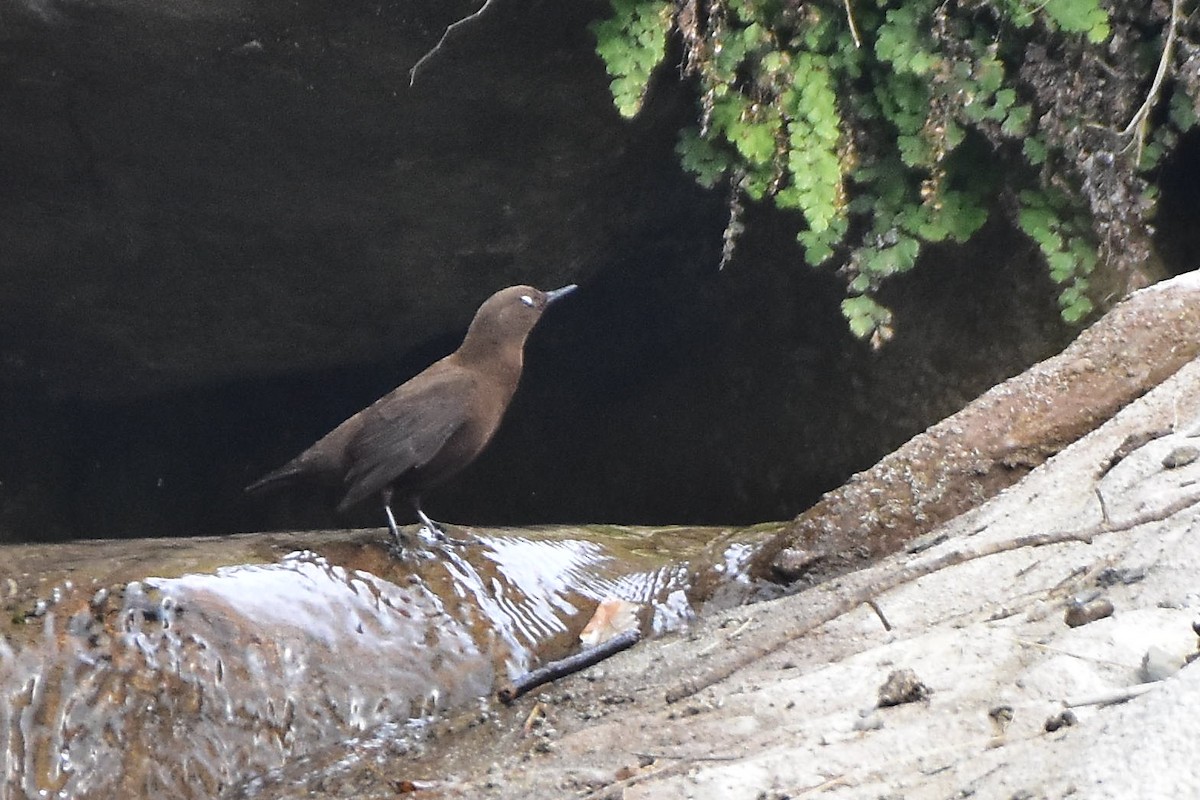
{"points": [[427, 429]]}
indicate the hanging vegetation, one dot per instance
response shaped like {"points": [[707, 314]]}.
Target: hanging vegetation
{"points": [[890, 124]]}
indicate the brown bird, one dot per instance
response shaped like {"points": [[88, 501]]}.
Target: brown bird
{"points": [[430, 427]]}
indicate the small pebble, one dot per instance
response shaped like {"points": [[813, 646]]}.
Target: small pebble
{"points": [[1082, 613], [1111, 576], [792, 562], [902, 686], [1063, 719], [1001, 715], [1181, 456], [99, 598]]}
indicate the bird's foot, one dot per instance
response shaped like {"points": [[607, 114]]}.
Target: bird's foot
{"points": [[460, 538], [397, 540], [434, 533], [398, 544]]}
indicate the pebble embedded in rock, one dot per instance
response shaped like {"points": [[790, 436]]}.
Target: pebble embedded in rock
{"points": [[99, 598], [1001, 716], [1081, 613], [1111, 576], [902, 686], [793, 562], [1063, 719], [1181, 456]]}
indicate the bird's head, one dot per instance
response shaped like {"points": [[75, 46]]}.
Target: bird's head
{"points": [[505, 319]]}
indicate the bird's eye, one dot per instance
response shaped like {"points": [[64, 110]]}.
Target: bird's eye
{"points": [[527, 300]]}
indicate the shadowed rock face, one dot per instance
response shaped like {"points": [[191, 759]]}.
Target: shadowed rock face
{"points": [[197, 191], [226, 227]]}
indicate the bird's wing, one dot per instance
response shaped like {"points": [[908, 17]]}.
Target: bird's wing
{"points": [[402, 432]]}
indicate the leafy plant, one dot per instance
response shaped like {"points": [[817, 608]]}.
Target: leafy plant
{"points": [[889, 124], [1055, 224], [632, 43]]}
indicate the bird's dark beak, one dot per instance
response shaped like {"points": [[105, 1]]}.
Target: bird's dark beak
{"points": [[557, 293]]}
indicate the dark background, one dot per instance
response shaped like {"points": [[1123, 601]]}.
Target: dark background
{"points": [[225, 227]]}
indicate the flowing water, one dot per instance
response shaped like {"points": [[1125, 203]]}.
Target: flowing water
{"points": [[142, 670]]}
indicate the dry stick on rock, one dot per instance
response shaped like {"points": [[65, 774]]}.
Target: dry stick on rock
{"points": [[566, 666], [862, 587], [680, 765], [887, 626], [412, 73], [1112, 696], [616, 791]]}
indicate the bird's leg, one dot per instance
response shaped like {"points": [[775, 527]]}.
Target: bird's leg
{"points": [[434, 528], [391, 519], [437, 531]]}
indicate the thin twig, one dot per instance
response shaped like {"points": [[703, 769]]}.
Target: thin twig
{"points": [[1064, 652], [863, 586], [412, 73], [853, 28], [740, 628], [1143, 113], [1029, 14], [828, 783], [615, 791], [538, 712], [1103, 506], [887, 626], [1119, 695], [566, 666]]}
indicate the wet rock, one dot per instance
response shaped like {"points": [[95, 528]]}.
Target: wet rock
{"points": [[613, 617], [99, 599], [265, 663], [792, 563]]}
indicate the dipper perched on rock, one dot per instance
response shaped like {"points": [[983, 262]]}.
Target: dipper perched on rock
{"points": [[429, 428]]}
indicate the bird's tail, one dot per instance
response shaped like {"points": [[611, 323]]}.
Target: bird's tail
{"points": [[280, 477]]}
